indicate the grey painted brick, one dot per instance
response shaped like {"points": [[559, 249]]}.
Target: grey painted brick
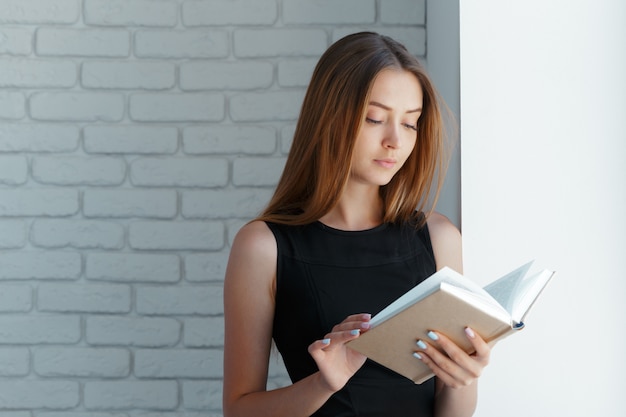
{"points": [[202, 395], [33, 394], [15, 414], [36, 137], [238, 12], [403, 12], [257, 171], [265, 106], [412, 37], [178, 363], [295, 72], [160, 204], [175, 107], [166, 300], [129, 75], [232, 139], [132, 331], [81, 362], [40, 265], [80, 106], [132, 267], [14, 361], [150, 395], [38, 202], [39, 11], [13, 170], [256, 43], [286, 138], [15, 298], [217, 204], [130, 12], [12, 105], [82, 42], [78, 414], [165, 235], [60, 233], [181, 44], [37, 73], [245, 75], [179, 172], [84, 298], [131, 139], [12, 234], [33, 329], [78, 170], [329, 11], [203, 332], [206, 267], [15, 40]]}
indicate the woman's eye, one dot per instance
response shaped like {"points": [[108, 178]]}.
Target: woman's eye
{"points": [[372, 121], [410, 126]]}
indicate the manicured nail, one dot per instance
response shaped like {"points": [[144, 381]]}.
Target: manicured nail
{"points": [[433, 335], [355, 332], [417, 355], [326, 341], [365, 326], [470, 333], [421, 344]]}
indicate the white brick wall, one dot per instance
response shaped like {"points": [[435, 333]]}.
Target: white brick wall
{"points": [[136, 137]]}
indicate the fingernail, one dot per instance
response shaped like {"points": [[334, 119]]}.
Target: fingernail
{"points": [[326, 341], [355, 332], [433, 335], [417, 355], [365, 325], [421, 344], [470, 333]]}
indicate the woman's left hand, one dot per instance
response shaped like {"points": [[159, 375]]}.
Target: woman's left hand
{"points": [[452, 365]]}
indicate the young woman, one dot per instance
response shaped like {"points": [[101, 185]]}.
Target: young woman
{"points": [[346, 233]]}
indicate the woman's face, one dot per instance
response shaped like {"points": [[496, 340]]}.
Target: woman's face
{"points": [[388, 133]]}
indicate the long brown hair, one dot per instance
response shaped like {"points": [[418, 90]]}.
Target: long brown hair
{"points": [[319, 162]]}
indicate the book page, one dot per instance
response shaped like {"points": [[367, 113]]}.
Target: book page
{"points": [[503, 289], [527, 292]]}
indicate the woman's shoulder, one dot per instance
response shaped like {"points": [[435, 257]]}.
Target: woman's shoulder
{"points": [[254, 244], [446, 241]]}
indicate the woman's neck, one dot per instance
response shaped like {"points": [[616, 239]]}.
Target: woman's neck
{"points": [[356, 210]]}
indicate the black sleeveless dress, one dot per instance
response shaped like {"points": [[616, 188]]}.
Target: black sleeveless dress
{"points": [[325, 275]]}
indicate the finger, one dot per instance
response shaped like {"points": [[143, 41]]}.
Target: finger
{"points": [[444, 367], [468, 364], [483, 350], [357, 321], [445, 377]]}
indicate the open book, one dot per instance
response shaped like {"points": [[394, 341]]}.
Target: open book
{"points": [[448, 302]]}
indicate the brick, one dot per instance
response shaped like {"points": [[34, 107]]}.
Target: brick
{"points": [[78, 170], [257, 171], [259, 140], [88, 107], [38, 202], [176, 235], [202, 395], [14, 362], [133, 267], [37, 73], [229, 12], [181, 44], [39, 11], [15, 299], [180, 414], [160, 204], [329, 11], [128, 75], [178, 363], [266, 106], [175, 107], [82, 234], [39, 330], [151, 395], [203, 332], [286, 138], [84, 298], [82, 42], [295, 72], [257, 43], [77, 414], [38, 137], [33, 394], [130, 13], [179, 172], [12, 234], [166, 300], [15, 40], [130, 139], [405, 12], [40, 265], [12, 105], [413, 38], [206, 267], [13, 170], [226, 75], [132, 331], [219, 204], [81, 362]]}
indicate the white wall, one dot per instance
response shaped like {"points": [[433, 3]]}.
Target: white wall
{"points": [[543, 100]]}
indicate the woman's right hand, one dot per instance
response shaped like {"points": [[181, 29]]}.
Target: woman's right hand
{"points": [[335, 360]]}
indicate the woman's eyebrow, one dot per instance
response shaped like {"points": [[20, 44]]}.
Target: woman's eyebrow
{"points": [[382, 106]]}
